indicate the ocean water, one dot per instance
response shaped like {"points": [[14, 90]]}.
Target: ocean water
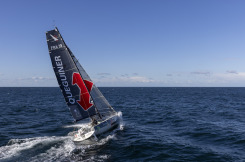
{"points": [[159, 124]]}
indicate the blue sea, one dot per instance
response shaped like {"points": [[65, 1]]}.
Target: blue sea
{"points": [[159, 124]]}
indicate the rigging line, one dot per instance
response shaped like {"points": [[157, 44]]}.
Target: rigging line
{"points": [[73, 57], [76, 61], [105, 100]]}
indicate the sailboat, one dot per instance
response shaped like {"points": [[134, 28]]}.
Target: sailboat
{"points": [[82, 97]]}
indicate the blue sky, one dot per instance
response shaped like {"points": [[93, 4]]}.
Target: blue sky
{"points": [[166, 43]]}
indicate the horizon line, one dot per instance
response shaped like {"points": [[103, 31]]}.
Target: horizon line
{"points": [[136, 87]]}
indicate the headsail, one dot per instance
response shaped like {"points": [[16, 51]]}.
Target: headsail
{"points": [[99, 100], [82, 96], [68, 76]]}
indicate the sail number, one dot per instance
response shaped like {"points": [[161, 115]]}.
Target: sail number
{"points": [[56, 47]]}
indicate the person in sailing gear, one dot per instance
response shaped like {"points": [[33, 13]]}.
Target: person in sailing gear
{"points": [[94, 121]]}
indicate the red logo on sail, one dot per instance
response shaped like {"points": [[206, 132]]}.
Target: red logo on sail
{"points": [[85, 87]]}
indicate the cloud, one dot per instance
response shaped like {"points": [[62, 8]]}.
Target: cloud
{"points": [[232, 58], [103, 74], [35, 81], [123, 80], [184, 79], [133, 79], [124, 75], [40, 78], [201, 73], [139, 79], [232, 72], [35, 78], [223, 80], [135, 74]]}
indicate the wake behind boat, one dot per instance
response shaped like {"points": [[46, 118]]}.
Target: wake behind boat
{"points": [[83, 98]]}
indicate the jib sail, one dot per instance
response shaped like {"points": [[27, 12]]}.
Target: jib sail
{"points": [[75, 88], [99, 100]]}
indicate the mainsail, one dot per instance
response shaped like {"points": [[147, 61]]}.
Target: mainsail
{"points": [[81, 95]]}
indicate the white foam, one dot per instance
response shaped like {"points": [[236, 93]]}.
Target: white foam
{"points": [[79, 125], [15, 146], [57, 148], [121, 124], [61, 149], [57, 152], [119, 113], [106, 139]]}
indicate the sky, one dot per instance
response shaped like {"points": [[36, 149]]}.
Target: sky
{"points": [[127, 43]]}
